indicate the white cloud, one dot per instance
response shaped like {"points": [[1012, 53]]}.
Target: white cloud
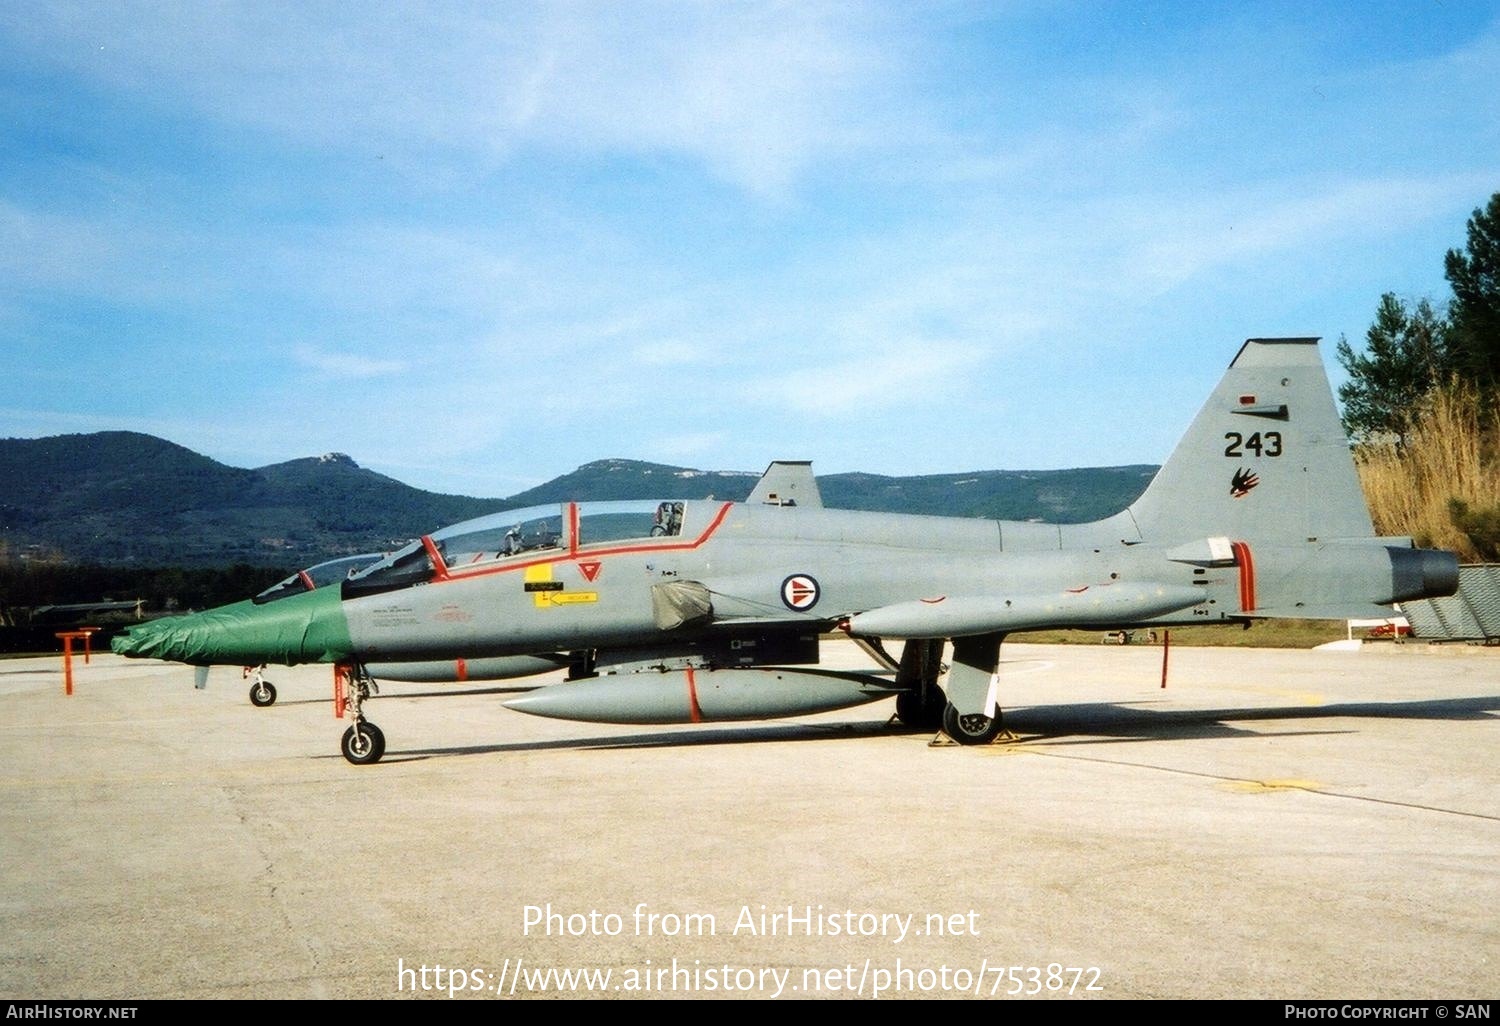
{"points": [[856, 380], [755, 92], [346, 365], [49, 250], [676, 352], [1172, 239]]}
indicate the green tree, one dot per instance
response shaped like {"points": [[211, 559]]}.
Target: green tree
{"points": [[1406, 355], [1474, 313]]}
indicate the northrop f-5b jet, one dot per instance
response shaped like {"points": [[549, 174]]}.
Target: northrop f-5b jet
{"points": [[694, 611]]}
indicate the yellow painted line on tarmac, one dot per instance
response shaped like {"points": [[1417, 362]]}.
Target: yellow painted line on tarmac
{"points": [[1267, 786]]}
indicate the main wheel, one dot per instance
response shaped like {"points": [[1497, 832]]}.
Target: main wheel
{"points": [[262, 694], [363, 744], [971, 728], [916, 713]]}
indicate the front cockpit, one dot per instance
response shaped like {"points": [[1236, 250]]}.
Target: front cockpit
{"points": [[334, 571], [515, 538]]}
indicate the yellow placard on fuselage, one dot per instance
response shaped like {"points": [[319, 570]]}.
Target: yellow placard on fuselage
{"points": [[546, 592], [569, 598]]}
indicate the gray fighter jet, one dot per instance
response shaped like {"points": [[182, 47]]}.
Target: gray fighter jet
{"points": [[694, 611]]}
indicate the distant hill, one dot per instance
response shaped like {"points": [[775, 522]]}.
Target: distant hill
{"points": [[633, 479], [1058, 496], [122, 497], [118, 497]]}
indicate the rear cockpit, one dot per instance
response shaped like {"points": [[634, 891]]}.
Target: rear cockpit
{"points": [[537, 534]]}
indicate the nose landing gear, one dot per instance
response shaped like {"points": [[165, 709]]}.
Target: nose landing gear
{"points": [[262, 691], [363, 743]]}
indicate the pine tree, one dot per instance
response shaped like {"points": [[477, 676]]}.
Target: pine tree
{"points": [[1474, 313], [1406, 355]]}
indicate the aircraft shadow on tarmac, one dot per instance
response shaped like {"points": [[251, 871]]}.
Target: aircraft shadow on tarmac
{"points": [[728, 734], [1106, 722], [1086, 724]]}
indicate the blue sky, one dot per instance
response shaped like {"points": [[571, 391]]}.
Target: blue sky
{"points": [[477, 245]]}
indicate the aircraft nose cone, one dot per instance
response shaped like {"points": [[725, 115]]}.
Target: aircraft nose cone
{"points": [[307, 628]]}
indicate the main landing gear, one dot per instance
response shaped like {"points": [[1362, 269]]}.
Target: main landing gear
{"points": [[973, 715], [921, 704], [921, 711], [262, 691], [971, 685], [363, 743]]}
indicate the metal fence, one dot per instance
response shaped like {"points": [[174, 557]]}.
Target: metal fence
{"points": [[1472, 614]]}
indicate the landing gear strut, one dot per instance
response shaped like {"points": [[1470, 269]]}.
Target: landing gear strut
{"points": [[921, 704], [363, 742]]}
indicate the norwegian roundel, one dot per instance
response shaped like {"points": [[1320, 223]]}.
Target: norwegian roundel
{"points": [[799, 592]]}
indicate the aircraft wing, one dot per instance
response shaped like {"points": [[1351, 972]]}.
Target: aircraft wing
{"points": [[1109, 605]]}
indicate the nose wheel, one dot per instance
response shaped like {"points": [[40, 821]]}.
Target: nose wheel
{"points": [[363, 743], [262, 691]]}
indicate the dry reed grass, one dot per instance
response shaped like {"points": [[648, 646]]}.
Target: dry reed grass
{"points": [[1452, 452]]}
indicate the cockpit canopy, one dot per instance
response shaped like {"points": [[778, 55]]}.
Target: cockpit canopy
{"points": [[321, 576], [522, 535]]}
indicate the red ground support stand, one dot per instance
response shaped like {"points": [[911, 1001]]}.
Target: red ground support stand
{"points": [[340, 681], [1166, 647], [67, 638], [88, 643]]}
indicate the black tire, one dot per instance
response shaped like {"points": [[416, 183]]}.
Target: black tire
{"points": [[916, 713], [262, 694], [971, 728], [363, 744]]}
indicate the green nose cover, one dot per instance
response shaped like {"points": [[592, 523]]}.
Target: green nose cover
{"points": [[307, 628]]}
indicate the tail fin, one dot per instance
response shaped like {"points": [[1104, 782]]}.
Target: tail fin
{"points": [[788, 483], [1266, 459]]}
